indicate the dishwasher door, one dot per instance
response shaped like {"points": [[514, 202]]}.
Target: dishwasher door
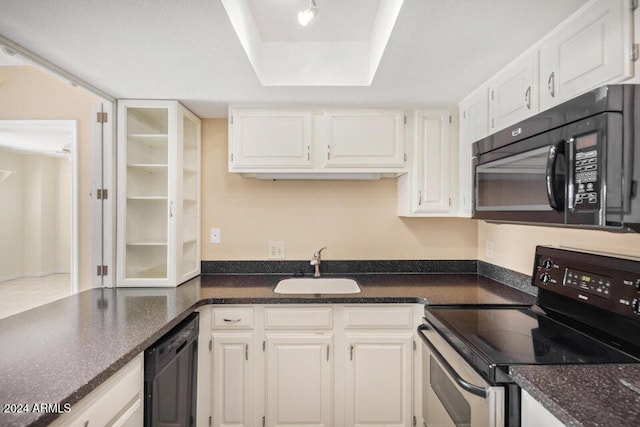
{"points": [[170, 373]]}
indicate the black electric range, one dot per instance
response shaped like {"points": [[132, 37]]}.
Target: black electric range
{"points": [[587, 312]]}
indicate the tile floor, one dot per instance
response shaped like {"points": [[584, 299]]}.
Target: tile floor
{"points": [[22, 294]]}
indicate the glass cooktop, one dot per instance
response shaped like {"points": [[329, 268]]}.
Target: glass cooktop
{"points": [[491, 338]]}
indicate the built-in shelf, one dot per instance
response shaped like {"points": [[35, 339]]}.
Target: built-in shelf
{"points": [[158, 193], [148, 243]]}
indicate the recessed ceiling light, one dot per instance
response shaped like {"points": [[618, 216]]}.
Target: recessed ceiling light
{"points": [[308, 14]]}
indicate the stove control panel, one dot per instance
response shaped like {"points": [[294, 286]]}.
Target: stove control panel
{"points": [[607, 282]]}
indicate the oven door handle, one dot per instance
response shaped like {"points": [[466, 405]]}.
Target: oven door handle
{"points": [[471, 388]]}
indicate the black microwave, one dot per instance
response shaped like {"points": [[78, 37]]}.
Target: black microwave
{"points": [[575, 164]]}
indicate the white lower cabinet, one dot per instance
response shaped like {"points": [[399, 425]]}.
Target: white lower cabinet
{"points": [[379, 380], [315, 365], [299, 387], [116, 402], [533, 414], [232, 379]]}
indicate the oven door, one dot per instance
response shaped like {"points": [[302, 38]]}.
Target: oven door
{"points": [[454, 395]]}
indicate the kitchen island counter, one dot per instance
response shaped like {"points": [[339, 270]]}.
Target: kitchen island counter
{"points": [[59, 352]]}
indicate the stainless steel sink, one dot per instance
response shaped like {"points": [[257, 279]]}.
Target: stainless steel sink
{"points": [[319, 285]]}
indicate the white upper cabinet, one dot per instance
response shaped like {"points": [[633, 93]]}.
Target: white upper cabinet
{"points": [[590, 49], [315, 143], [270, 138], [426, 189], [473, 114], [158, 193], [366, 138], [513, 93]]}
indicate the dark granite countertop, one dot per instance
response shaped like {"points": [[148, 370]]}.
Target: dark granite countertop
{"points": [[59, 352], [584, 395]]}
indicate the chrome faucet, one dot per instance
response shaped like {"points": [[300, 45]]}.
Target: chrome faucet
{"points": [[316, 261]]}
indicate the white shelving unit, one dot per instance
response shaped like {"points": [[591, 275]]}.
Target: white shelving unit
{"points": [[159, 193]]}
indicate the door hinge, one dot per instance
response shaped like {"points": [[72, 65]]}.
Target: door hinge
{"points": [[264, 421], [210, 345], [102, 194], [405, 120], [210, 421], [231, 118], [102, 270], [633, 4], [232, 157], [450, 119], [264, 346], [635, 52], [102, 117]]}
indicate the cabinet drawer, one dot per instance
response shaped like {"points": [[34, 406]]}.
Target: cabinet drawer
{"points": [[233, 318], [115, 402], [298, 318], [394, 317]]}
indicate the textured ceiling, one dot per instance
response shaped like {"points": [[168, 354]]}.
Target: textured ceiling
{"points": [[438, 51]]}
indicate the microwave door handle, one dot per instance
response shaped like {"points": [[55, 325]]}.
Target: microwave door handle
{"points": [[552, 191], [471, 388]]}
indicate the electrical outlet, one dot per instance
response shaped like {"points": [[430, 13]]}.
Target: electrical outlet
{"points": [[215, 235], [489, 249], [276, 250]]}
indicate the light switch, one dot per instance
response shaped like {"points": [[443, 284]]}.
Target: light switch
{"points": [[215, 235]]}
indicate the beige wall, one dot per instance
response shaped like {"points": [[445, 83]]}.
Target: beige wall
{"points": [[35, 216], [514, 245], [28, 93], [356, 220], [11, 217]]}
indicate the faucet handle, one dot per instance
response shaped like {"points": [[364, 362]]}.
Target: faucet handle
{"points": [[317, 254]]}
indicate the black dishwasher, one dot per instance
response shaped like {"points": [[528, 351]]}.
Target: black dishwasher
{"points": [[170, 372]]}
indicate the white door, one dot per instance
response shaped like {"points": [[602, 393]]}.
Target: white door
{"points": [[233, 370], [379, 380], [364, 138], [513, 94], [299, 389], [432, 161], [269, 139], [590, 50]]}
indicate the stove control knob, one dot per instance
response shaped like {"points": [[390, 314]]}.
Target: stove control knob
{"points": [[547, 263], [636, 306], [545, 278], [638, 285]]}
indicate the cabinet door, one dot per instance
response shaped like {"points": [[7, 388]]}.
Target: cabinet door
{"points": [[589, 50], [432, 160], [379, 380], [188, 198], [270, 139], [299, 380], [474, 125], [364, 138], [146, 192], [513, 93], [233, 368], [533, 414]]}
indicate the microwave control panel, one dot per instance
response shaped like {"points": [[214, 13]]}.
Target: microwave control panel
{"points": [[586, 180]]}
